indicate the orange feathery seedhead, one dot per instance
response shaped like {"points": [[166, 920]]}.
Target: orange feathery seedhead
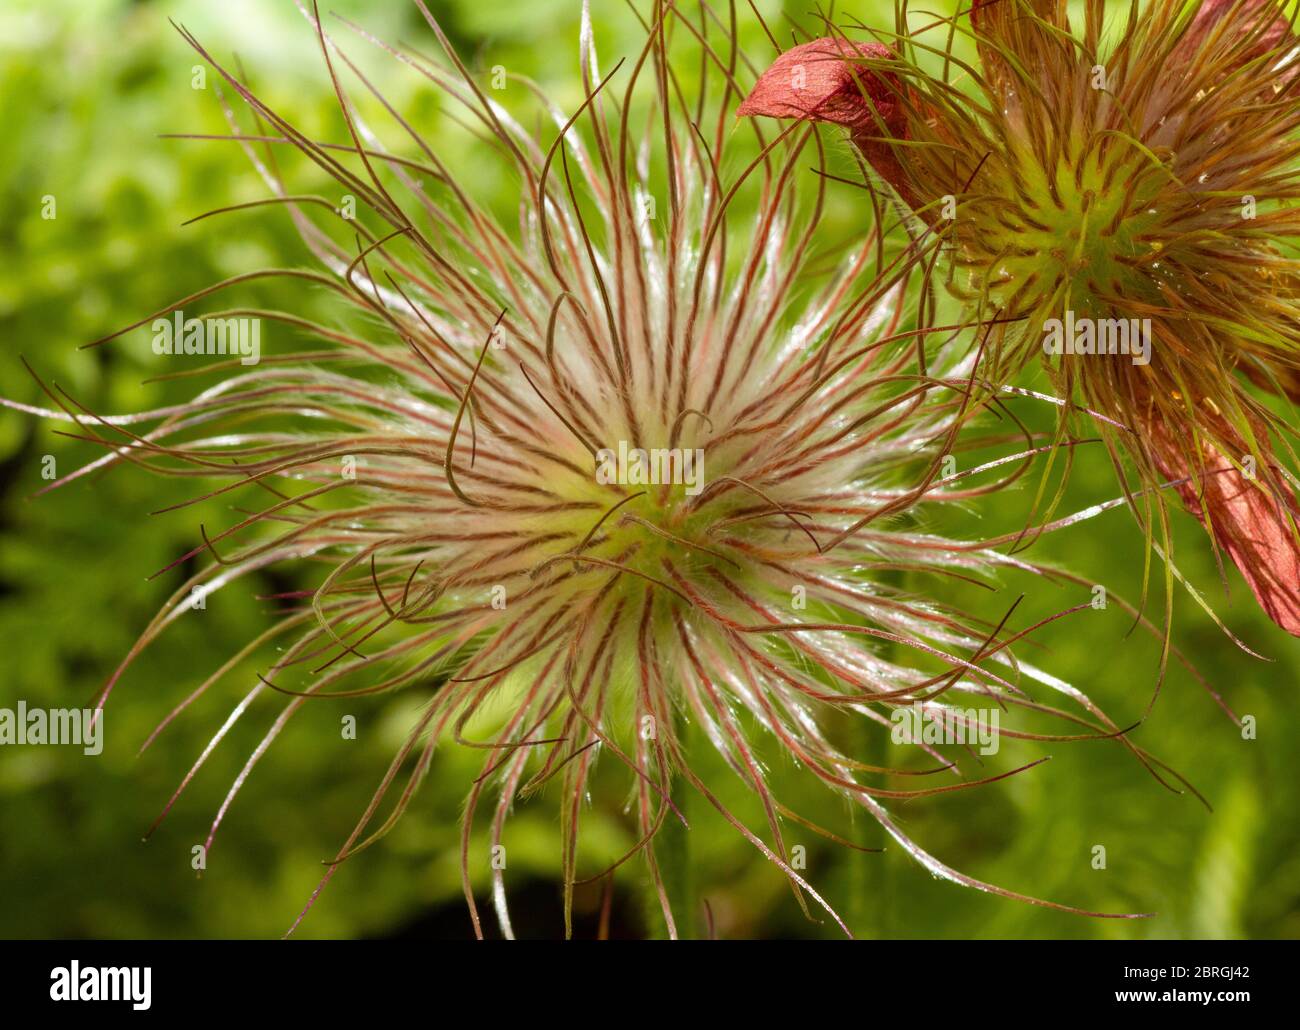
{"points": [[1130, 181]]}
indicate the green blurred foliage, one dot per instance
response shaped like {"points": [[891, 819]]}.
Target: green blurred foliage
{"points": [[85, 90]]}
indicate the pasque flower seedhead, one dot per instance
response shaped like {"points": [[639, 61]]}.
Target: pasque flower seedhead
{"points": [[1135, 175], [634, 465]]}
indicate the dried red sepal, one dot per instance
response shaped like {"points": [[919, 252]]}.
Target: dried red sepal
{"points": [[1255, 528], [826, 80]]}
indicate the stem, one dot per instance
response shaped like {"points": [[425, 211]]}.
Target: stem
{"points": [[871, 886], [870, 883], [672, 848], [675, 865]]}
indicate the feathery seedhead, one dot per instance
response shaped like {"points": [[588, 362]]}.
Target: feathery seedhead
{"points": [[1134, 176], [503, 541]]}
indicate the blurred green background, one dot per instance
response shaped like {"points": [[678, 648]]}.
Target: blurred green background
{"points": [[86, 87]]}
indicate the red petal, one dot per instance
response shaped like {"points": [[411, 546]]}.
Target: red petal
{"points": [[825, 81], [1252, 526]]}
